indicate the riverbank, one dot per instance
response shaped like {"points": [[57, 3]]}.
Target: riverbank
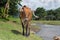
{"points": [[48, 22]]}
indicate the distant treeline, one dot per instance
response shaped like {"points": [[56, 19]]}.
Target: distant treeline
{"points": [[48, 14], [10, 8]]}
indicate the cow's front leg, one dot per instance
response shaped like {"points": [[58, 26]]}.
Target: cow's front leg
{"points": [[23, 28], [29, 26], [27, 30]]}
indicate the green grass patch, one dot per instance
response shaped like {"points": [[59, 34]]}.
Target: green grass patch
{"points": [[13, 31]]}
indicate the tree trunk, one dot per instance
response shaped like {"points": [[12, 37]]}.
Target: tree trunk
{"points": [[5, 15]]}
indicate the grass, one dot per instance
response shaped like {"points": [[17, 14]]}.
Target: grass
{"points": [[50, 22], [13, 31]]}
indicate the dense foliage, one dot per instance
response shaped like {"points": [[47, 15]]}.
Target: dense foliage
{"points": [[8, 7], [48, 14]]}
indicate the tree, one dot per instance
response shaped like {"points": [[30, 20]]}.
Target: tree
{"points": [[57, 13], [40, 12], [51, 15]]}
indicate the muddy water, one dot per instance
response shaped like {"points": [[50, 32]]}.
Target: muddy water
{"points": [[47, 32]]}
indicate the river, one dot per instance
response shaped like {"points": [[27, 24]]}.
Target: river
{"points": [[47, 32]]}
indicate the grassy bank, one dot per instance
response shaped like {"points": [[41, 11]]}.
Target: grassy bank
{"points": [[12, 30], [48, 22]]}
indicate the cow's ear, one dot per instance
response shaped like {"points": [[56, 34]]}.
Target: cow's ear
{"points": [[21, 10]]}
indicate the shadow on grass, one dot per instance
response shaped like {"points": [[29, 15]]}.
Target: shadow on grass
{"points": [[16, 32]]}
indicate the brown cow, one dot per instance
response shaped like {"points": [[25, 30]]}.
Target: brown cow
{"points": [[25, 17]]}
